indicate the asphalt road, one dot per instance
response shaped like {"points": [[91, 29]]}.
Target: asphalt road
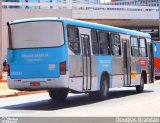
{"points": [[121, 102]]}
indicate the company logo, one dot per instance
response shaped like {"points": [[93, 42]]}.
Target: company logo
{"points": [[143, 62]]}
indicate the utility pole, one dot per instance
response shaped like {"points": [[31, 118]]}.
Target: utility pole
{"points": [[39, 1], [1, 39], [51, 4]]}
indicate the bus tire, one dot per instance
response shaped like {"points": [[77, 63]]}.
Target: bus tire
{"points": [[93, 95], [104, 90], [58, 94], [140, 88]]}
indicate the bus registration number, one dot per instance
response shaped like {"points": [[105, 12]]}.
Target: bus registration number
{"points": [[35, 84]]}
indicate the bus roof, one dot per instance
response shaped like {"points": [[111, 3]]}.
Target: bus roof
{"points": [[73, 22]]}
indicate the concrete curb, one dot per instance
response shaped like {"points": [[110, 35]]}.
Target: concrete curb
{"points": [[3, 80], [21, 93], [10, 95], [157, 82]]}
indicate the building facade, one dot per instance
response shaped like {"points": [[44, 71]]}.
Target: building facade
{"points": [[135, 2], [116, 0], [57, 1]]}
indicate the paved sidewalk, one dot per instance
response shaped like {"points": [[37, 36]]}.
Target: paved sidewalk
{"points": [[6, 92]]}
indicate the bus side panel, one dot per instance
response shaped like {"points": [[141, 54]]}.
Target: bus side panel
{"points": [[135, 71], [104, 65], [157, 66], [94, 73], [75, 72], [137, 67], [117, 71], [145, 68]]}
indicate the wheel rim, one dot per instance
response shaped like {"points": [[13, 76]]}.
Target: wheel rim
{"points": [[104, 88]]}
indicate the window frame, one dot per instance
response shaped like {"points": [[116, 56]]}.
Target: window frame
{"points": [[108, 43], [120, 45], [146, 49], [74, 27], [97, 38], [134, 46]]}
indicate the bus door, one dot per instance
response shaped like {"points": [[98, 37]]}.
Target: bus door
{"points": [[86, 61], [126, 63], [151, 62]]}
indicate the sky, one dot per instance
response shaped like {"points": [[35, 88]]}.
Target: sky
{"points": [[105, 1]]}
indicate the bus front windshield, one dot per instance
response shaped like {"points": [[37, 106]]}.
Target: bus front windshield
{"points": [[37, 34]]}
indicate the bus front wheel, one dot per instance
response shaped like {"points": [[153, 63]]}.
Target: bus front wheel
{"points": [[58, 94]]}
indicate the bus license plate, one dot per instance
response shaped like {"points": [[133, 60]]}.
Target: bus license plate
{"points": [[34, 83]]}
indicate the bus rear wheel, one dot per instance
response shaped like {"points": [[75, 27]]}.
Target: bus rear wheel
{"points": [[140, 88], [104, 90], [58, 94]]}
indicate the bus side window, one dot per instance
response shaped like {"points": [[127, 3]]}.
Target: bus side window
{"points": [[73, 39], [134, 46], [142, 47], [116, 45], [104, 43], [95, 45]]}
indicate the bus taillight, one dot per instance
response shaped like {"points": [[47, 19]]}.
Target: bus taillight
{"points": [[8, 69], [63, 68]]}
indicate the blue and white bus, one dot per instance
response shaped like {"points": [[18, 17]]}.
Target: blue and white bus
{"points": [[65, 55], [156, 47]]}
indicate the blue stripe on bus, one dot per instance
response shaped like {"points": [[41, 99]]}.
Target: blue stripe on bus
{"points": [[104, 64]]}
